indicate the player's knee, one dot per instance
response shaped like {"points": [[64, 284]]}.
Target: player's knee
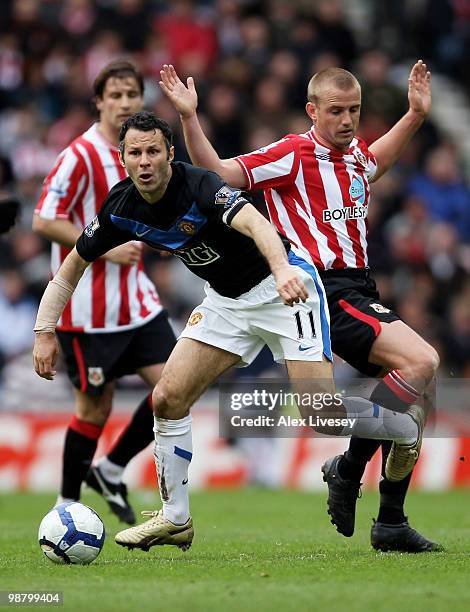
{"points": [[166, 402], [432, 363], [423, 364], [429, 363], [93, 410]]}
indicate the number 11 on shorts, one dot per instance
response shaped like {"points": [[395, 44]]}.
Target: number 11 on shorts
{"points": [[298, 322]]}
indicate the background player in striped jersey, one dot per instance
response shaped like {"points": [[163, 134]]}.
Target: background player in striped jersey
{"points": [[316, 187], [114, 324]]}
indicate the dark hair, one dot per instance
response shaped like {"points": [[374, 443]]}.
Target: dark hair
{"points": [[120, 69], [146, 121]]}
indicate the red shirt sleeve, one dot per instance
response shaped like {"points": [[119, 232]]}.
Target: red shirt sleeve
{"points": [[271, 166]]}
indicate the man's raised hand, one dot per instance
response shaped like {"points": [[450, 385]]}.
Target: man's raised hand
{"points": [[419, 89], [183, 98]]}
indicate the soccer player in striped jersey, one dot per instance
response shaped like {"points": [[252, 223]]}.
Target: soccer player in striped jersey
{"points": [[114, 324], [316, 187]]}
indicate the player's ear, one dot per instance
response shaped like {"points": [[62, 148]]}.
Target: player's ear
{"points": [[171, 154], [121, 158], [311, 110], [98, 102]]}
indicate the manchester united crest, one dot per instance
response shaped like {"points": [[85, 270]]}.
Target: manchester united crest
{"points": [[195, 318], [188, 227]]}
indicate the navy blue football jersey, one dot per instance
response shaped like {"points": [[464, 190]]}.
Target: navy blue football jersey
{"points": [[191, 220]]}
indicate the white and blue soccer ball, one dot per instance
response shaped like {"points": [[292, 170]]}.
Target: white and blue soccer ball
{"points": [[71, 533]]}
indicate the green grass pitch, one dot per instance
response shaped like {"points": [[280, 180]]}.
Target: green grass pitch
{"points": [[253, 550]]}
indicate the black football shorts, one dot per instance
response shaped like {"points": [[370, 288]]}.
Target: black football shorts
{"points": [[92, 360], [355, 316]]}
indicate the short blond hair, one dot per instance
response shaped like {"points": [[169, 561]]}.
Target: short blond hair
{"points": [[338, 77]]}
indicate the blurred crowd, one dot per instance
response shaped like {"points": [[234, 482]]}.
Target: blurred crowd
{"points": [[251, 61]]}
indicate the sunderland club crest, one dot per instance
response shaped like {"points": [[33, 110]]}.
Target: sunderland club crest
{"points": [[379, 308], [360, 157], [95, 376]]}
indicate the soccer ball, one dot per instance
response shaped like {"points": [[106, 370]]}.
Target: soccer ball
{"points": [[71, 533]]}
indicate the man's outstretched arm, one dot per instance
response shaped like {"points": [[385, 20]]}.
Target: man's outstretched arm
{"points": [[391, 145], [54, 299], [251, 223], [202, 153]]}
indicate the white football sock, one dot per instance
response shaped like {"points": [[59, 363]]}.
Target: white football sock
{"points": [[111, 471], [173, 454], [374, 421]]}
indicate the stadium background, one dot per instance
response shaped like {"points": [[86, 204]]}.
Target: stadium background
{"points": [[251, 61]]}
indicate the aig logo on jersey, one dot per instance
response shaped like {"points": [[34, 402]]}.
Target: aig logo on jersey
{"points": [[379, 308], [199, 255], [92, 227], [357, 190]]}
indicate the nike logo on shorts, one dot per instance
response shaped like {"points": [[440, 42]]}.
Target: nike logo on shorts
{"points": [[304, 348]]}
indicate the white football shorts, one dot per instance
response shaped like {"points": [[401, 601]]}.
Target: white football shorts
{"points": [[243, 325]]}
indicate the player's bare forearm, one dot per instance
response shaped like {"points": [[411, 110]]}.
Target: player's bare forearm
{"points": [[251, 223], [200, 150], [72, 268], [203, 154], [391, 145], [269, 244], [57, 230]]}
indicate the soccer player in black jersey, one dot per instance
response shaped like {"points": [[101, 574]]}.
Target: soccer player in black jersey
{"points": [[252, 279], [316, 190]]}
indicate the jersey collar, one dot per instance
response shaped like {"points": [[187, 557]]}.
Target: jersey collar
{"points": [[332, 152]]}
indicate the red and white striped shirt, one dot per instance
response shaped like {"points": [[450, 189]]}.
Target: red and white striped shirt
{"points": [[109, 297], [317, 197]]}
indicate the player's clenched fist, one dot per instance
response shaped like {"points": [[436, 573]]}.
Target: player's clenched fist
{"points": [[290, 286], [45, 353]]}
